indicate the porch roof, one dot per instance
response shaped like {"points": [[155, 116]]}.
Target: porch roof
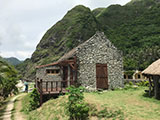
{"points": [[52, 64]]}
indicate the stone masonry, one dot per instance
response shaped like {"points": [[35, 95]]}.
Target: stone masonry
{"points": [[98, 49]]}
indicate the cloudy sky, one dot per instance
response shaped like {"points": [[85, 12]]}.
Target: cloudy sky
{"points": [[24, 22]]}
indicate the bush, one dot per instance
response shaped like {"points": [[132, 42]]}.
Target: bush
{"points": [[130, 83], [34, 100], [31, 101], [143, 83], [76, 107]]}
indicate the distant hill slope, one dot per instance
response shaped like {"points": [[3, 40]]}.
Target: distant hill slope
{"points": [[13, 61], [78, 25], [8, 78], [134, 28]]}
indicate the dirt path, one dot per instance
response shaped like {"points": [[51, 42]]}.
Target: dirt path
{"points": [[8, 112], [17, 114]]}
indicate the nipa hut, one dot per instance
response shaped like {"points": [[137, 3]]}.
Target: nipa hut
{"points": [[153, 73]]}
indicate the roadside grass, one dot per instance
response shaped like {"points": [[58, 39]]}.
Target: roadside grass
{"points": [[125, 104], [25, 103], [16, 112], [13, 110], [51, 110], [3, 105]]}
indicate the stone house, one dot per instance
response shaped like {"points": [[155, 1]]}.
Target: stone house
{"points": [[95, 64]]}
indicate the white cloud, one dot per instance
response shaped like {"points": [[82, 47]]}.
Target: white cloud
{"points": [[19, 54], [23, 22]]}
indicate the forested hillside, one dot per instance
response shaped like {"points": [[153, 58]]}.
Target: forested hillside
{"points": [[13, 60], [134, 28], [8, 78], [78, 25]]}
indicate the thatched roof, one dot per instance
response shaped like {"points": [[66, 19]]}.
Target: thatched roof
{"points": [[153, 69]]}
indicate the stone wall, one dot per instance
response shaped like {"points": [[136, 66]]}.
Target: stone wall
{"points": [[98, 49], [41, 74]]}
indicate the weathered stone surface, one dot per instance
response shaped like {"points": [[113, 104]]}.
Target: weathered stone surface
{"points": [[99, 49]]}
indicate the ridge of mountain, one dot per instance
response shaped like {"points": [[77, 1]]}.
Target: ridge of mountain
{"points": [[13, 61], [78, 25], [132, 28]]}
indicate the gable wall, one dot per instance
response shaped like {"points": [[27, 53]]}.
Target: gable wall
{"points": [[41, 74], [99, 50]]}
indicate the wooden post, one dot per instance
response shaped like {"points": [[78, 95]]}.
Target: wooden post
{"points": [[69, 77], [150, 85], [75, 64], [47, 86], [56, 85], [52, 86], [41, 94], [156, 87], [61, 85]]}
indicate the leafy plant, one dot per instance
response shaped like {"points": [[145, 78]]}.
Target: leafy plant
{"points": [[31, 101], [77, 108], [8, 79], [34, 99], [143, 83]]}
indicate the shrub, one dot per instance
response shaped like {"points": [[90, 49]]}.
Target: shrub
{"points": [[31, 101], [105, 113], [76, 107], [34, 100], [130, 83], [143, 83]]}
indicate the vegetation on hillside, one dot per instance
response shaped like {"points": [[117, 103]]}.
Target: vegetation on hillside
{"points": [[132, 28], [76, 107], [78, 25], [8, 79], [131, 103], [13, 61], [31, 101]]}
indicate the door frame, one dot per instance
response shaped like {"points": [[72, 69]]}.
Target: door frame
{"points": [[101, 75]]}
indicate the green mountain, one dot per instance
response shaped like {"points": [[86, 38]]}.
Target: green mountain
{"points": [[134, 28], [78, 25], [13, 61]]}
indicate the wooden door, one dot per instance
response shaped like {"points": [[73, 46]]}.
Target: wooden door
{"points": [[102, 76]]}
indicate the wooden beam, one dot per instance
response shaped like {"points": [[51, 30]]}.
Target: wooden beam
{"points": [[150, 86], [41, 94], [72, 65], [75, 61]]}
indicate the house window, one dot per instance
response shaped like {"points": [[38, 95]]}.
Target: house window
{"points": [[53, 71], [139, 76]]}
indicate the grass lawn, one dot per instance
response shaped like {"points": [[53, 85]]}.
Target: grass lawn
{"points": [[132, 104]]}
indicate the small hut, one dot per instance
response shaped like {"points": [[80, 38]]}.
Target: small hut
{"points": [[153, 74], [138, 75]]}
